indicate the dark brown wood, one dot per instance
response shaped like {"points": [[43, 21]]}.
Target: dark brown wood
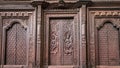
{"points": [[59, 34]]}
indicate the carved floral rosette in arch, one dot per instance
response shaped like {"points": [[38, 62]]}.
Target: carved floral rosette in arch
{"points": [[24, 18]]}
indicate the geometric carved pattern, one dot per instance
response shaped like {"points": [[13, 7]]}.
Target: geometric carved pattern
{"points": [[61, 41], [11, 45], [13, 14], [108, 48], [16, 47]]}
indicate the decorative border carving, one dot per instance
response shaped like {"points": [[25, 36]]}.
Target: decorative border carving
{"points": [[24, 14], [106, 13]]}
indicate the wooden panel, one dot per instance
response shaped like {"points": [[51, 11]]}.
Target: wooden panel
{"points": [[16, 48], [11, 45], [61, 41], [21, 49], [108, 45]]}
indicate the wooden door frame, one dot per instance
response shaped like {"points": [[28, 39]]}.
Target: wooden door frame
{"points": [[60, 14]]}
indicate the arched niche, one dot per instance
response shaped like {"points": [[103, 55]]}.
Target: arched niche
{"points": [[15, 43], [108, 44]]}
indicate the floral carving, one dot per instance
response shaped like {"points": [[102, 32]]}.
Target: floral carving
{"points": [[68, 43], [68, 39], [54, 42]]}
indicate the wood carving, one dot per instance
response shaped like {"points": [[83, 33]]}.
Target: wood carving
{"points": [[68, 39], [104, 38], [54, 39], [7, 23], [16, 48], [16, 39], [106, 13], [61, 41], [17, 14], [68, 45], [108, 51], [54, 42], [101, 21]]}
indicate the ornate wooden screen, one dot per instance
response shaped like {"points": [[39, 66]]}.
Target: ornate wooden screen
{"points": [[108, 48], [16, 48], [61, 42]]}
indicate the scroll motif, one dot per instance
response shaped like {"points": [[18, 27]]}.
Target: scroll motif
{"points": [[68, 39], [54, 42]]}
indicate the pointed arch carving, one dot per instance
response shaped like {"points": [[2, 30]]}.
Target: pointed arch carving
{"points": [[11, 22], [100, 22], [108, 35]]}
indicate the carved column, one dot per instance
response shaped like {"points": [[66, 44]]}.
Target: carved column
{"points": [[83, 32], [38, 40], [38, 9], [0, 39], [83, 37]]}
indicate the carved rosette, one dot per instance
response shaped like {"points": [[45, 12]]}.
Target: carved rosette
{"points": [[54, 43]]}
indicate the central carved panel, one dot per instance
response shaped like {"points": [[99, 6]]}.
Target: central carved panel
{"points": [[61, 42]]}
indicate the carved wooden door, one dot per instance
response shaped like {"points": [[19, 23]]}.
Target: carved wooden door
{"points": [[15, 47], [61, 42], [61, 48]]}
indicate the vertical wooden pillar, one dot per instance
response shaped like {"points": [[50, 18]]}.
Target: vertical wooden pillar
{"points": [[0, 40], [83, 32], [83, 36], [38, 40], [38, 11]]}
